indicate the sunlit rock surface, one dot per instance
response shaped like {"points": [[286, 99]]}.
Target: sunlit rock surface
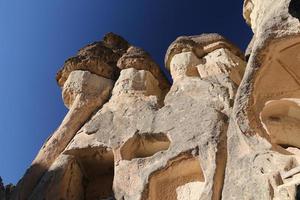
{"points": [[226, 128]]}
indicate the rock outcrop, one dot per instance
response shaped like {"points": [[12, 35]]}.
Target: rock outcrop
{"points": [[227, 128], [6, 190], [263, 142]]}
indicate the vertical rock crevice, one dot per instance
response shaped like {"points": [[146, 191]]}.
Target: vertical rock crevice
{"points": [[294, 9], [221, 161]]}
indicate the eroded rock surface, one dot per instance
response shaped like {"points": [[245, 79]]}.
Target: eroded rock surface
{"points": [[99, 58], [136, 138], [263, 130], [225, 129], [139, 59]]}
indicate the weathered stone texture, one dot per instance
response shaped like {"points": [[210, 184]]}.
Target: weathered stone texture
{"points": [[225, 129], [99, 58], [264, 120]]}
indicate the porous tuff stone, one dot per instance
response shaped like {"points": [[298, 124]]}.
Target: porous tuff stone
{"points": [[135, 115], [261, 134], [86, 85], [139, 59], [99, 58], [226, 129], [140, 144], [200, 45], [83, 92]]}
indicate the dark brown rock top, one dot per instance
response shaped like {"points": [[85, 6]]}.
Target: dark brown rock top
{"points": [[200, 45], [137, 58], [99, 58]]}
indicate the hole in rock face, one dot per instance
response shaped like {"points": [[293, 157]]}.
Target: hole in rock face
{"points": [[294, 8], [97, 167], [281, 120], [298, 193], [145, 145], [181, 179]]}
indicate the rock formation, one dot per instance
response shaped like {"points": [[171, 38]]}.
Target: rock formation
{"points": [[263, 154], [5, 191], [227, 128]]}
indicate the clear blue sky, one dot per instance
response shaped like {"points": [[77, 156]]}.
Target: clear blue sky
{"points": [[37, 36]]}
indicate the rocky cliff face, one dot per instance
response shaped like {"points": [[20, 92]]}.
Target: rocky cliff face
{"points": [[227, 128]]}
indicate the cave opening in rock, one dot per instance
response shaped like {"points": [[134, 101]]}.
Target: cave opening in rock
{"points": [[97, 167], [144, 145], [298, 193], [294, 9], [181, 179], [281, 120]]}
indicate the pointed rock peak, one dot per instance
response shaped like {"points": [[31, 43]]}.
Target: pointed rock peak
{"points": [[115, 41], [247, 9]]}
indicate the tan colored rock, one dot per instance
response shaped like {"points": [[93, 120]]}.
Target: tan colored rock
{"points": [[140, 145], [91, 166], [230, 65], [247, 9], [281, 120], [133, 82], [189, 191], [99, 58], [89, 86], [184, 65], [263, 125], [97, 167], [216, 134], [63, 180], [139, 59], [136, 116], [82, 141], [84, 93], [200, 45], [168, 183]]}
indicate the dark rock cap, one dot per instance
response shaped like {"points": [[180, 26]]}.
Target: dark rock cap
{"points": [[137, 58], [200, 45], [99, 58]]}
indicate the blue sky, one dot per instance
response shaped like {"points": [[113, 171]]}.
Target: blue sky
{"points": [[37, 36]]}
